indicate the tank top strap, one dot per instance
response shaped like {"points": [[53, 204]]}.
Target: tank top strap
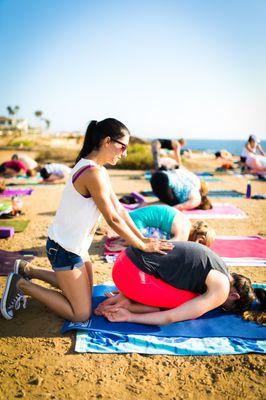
{"points": [[80, 171]]}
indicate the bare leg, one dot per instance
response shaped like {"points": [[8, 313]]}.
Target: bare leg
{"points": [[74, 303], [88, 266], [42, 274]]}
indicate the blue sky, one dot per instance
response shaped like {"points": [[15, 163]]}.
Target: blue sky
{"points": [[166, 68]]}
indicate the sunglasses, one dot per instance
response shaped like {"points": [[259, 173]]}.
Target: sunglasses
{"points": [[123, 145]]}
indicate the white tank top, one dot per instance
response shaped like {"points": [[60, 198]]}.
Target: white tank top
{"points": [[76, 218]]}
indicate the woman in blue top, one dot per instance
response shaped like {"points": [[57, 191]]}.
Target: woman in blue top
{"points": [[172, 223], [180, 188]]}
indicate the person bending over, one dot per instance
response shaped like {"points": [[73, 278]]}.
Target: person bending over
{"points": [[12, 168], [180, 188], [169, 145], [188, 267], [55, 173], [173, 223]]}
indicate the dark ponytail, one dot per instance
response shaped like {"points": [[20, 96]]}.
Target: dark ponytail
{"points": [[97, 131], [258, 314]]}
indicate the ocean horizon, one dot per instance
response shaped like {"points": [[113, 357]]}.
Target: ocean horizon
{"points": [[211, 146]]}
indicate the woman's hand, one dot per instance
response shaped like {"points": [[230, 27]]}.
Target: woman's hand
{"points": [[117, 315], [157, 246]]}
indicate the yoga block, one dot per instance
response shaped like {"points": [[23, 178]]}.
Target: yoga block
{"points": [[6, 231]]}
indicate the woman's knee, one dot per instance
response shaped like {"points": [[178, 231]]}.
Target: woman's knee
{"points": [[82, 315]]}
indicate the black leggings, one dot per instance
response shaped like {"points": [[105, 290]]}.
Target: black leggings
{"points": [[160, 187]]}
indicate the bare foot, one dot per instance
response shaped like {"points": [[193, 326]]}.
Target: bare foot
{"points": [[118, 300]]}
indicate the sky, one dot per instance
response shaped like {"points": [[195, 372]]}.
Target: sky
{"points": [[165, 68]]}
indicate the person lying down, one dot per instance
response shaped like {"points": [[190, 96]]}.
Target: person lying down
{"points": [[183, 284]]}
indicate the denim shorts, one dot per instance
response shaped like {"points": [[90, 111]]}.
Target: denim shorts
{"points": [[61, 259]]}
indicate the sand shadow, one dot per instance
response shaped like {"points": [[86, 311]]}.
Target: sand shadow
{"points": [[48, 213]]}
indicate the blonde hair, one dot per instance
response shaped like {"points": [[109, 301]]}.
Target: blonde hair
{"points": [[202, 233], [205, 203], [181, 141]]}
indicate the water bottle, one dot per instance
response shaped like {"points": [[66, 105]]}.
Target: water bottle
{"points": [[17, 205], [248, 192]]}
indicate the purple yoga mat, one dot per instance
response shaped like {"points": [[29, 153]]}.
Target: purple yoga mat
{"points": [[16, 192], [7, 259]]}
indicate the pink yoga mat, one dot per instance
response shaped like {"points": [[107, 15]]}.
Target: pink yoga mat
{"points": [[240, 246], [219, 211]]}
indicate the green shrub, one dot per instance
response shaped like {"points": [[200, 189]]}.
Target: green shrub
{"points": [[21, 143], [65, 156], [138, 157]]}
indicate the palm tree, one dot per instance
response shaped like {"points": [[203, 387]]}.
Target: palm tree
{"points": [[38, 113], [12, 110]]}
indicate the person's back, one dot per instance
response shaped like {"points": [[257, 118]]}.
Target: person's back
{"points": [[185, 267], [28, 161], [59, 170], [182, 182], [156, 216]]}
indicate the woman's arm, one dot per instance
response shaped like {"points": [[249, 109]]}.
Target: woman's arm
{"points": [[98, 186], [261, 150], [176, 149], [181, 227], [124, 214]]}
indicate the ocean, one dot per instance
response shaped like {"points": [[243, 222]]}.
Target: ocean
{"points": [[211, 146]]}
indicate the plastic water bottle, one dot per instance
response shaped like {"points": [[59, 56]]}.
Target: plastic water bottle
{"points": [[248, 192], [17, 205]]}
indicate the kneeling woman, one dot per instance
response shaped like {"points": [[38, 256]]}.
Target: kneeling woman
{"points": [[186, 283], [180, 188]]}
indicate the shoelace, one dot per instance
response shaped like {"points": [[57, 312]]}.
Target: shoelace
{"points": [[18, 301]]}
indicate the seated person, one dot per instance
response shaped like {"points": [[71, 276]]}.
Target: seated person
{"points": [[9, 169], [54, 173], [170, 145], [187, 282], [173, 223], [252, 146], [180, 188], [28, 161]]}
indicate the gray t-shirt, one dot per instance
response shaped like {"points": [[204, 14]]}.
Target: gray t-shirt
{"points": [[185, 267]]}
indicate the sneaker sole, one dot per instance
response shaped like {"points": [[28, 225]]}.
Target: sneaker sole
{"points": [[3, 300], [16, 266]]}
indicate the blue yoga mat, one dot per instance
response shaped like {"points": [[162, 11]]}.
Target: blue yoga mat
{"points": [[215, 323], [225, 193], [211, 193]]}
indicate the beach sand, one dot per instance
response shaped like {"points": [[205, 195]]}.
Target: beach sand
{"points": [[37, 362]]}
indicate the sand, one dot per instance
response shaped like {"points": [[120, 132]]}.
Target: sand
{"points": [[37, 362]]}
